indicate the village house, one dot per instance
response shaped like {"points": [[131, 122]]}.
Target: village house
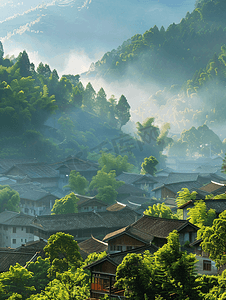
{"points": [[36, 172], [90, 246], [148, 230], [86, 168], [144, 182], [19, 228], [22, 255], [86, 204], [219, 205], [103, 273]]}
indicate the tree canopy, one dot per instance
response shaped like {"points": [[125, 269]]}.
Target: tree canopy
{"points": [[9, 199], [160, 210], [77, 182], [149, 165], [65, 205]]}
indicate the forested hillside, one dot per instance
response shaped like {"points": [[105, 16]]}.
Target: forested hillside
{"points": [[168, 56], [48, 118]]}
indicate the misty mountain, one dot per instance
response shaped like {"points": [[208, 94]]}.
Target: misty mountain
{"points": [[168, 55], [54, 28]]}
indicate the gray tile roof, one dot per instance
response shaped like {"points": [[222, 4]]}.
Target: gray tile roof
{"points": [[131, 178], [218, 204], [87, 220], [18, 219], [6, 215], [35, 170], [75, 163], [160, 227], [130, 189], [93, 245]]}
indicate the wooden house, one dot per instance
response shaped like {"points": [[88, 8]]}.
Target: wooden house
{"points": [[38, 172], [148, 230], [103, 273], [92, 245]]}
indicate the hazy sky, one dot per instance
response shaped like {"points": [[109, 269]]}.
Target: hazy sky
{"points": [[70, 34]]}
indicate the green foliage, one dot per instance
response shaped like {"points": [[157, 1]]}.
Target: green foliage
{"points": [[201, 141], [123, 110], [103, 179], [168, 272], [184, 196], [9, 199], [118, 163], [134, 275], [148, 166], [65, 205], [107, 194], [160, 210], [199, 216], [63, 252], [93, 257], [40, 273], [214, 239], [16, 280], [66, 286], [77, 182]]}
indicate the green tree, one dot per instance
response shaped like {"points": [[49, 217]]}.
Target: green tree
{"points": [[9, 199], [103, 179], [92, 257], [199, 216], [135, 276], [77, 182], [118, 163], [160, 210], [89, 97], [122, 110], [16, 280], [65, 205], [148, 166], [107, 194], [184, 196], [101, 104], [214, 238], [68, 285], [147, 130], [39, 270], [177, 270], [63, 253]]}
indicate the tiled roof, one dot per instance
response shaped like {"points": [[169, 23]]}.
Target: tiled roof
{"points": [[87, 220], [36, 170], [181, 177], [85, 200], [131, 231], [6, 164], [176, 187], [93, 245], [117, 258], [18, 219], [32, 246], [116, 207], [130, 189], [160, 227], [218, 204], [10, 258], [212, 187], [131, 178], [75, 163], [6, 215], [138, 200]]}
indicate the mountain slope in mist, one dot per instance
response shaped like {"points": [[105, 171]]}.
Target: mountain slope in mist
{"points": [[54, 28], [168, 56]]}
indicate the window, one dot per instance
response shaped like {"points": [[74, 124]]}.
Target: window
{"points": [[26, 210], [129, 247], [25, 240], [14, 229], [14, 241], [22, 229], [5, 227], [21, 240], [119, 248], [207, 265]]}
